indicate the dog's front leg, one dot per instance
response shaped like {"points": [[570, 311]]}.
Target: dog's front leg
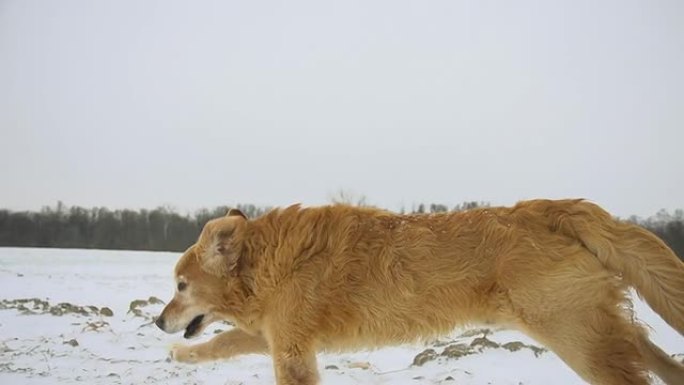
{"points": [[295, 364], [225, 345]]}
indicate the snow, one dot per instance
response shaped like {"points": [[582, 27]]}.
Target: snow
{"points": [[127, 349]]}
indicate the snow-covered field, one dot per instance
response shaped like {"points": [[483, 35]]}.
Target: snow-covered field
{"points": [[55, 327]]}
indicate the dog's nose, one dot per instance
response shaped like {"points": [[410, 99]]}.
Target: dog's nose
{"points": [[160, 323]]}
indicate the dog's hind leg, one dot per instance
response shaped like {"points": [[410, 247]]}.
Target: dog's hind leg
{"points": [[599, 344], [225, 345], [660, 363]]}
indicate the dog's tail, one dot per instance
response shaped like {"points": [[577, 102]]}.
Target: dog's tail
{"points": [[642, 260]]}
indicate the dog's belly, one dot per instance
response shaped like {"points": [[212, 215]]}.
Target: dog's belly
{"points": [[390, 317]]}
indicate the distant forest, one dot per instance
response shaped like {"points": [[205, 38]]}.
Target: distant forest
{"points": [[163, 229]]}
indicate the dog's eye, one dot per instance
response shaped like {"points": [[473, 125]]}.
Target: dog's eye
{"points": [[182, 286]]}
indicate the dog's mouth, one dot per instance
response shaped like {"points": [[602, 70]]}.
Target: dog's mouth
{"points": [[194, 326]]}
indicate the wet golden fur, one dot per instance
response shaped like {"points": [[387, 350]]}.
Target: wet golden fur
{"points": [[300, 280]]}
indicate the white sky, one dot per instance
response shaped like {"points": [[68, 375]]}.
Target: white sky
{"points": [[197, 104]]}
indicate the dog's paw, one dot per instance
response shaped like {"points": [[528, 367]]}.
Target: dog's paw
{"points": [[183, 353]]}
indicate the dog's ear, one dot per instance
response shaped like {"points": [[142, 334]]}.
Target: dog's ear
{"points": [[236, 212], [222, 254], [225, 253]]}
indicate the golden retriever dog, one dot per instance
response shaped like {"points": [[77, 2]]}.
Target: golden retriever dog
{"points": [[299, 280]]}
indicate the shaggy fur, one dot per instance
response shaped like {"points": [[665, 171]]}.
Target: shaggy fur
{"points": [[299, 280]]}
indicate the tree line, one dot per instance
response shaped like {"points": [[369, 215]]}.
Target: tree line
{"points": [[163, 229]]}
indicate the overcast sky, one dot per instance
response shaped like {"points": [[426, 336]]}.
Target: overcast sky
{"points": [[196, 104]]}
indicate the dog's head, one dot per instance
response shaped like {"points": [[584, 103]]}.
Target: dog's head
{"points": [[208, 287]]}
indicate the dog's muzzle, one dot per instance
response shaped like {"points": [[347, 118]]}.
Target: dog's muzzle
{"points": [[160, 323], [192, 328]]}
